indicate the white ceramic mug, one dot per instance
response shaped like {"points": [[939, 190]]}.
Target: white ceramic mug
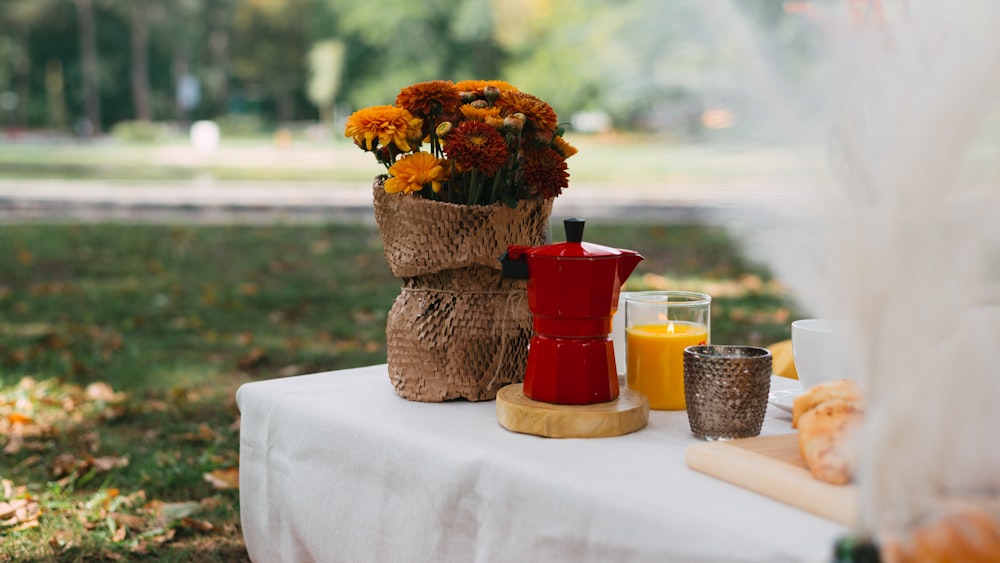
{"points": [[824, 350]]}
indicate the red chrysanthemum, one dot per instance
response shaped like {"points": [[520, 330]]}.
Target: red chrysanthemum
{"points": [[436, 97], [545, 172], [474, 144], [540, 118]]}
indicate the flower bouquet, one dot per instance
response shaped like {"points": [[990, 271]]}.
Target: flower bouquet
{"points": [[487, 142], [494, 160]]}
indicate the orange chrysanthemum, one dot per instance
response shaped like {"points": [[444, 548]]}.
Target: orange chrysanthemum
{"points": [[473, 113], [478, 85], [545, 172], [436, 97], [412, 173], [562, 147], [541, 118], [388, 124], [474, 144]]}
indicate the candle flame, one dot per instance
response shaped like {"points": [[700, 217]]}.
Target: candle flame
{"points": [[670, 328]]}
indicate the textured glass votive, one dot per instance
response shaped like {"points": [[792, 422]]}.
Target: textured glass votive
{"points": [[726, 389]]}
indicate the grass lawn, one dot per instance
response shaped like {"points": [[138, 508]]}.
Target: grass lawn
{"points": [[121, 348]]}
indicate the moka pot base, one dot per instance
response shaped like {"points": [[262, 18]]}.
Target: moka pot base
{"points": [[624, 415]]}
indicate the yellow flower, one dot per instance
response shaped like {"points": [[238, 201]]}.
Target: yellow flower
{"points": [[562, 147], [473, 113], [477, 86], [388, 124], [410, 174]]}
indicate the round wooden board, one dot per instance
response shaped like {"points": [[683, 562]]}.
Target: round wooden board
{"points": [[628, 413]]}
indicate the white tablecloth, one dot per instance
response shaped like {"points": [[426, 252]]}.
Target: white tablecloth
{"points": [[336, 467]]}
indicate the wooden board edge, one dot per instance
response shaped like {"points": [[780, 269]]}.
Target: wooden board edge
{"points": [[775, 479]]}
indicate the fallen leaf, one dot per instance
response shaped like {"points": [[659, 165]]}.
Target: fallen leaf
{"points": [[100, 391], [63, 464], [198, 525], [160, 536], [20, 513], [224, 478], [119, 534], [131, 520], [31, 460], [25, 525], [107, 463], [211, 503], [15, 441], [19, 418], [61, 540], [164, 513], [253, 358], [207, 433], [7, 509]]}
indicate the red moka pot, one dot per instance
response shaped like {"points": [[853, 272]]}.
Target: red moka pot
{"points": [[573, 290]]}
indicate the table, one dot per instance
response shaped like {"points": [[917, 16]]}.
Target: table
{"points": [[336, 467]]}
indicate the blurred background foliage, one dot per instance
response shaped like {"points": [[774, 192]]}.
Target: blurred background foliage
{"points": [[87, 65]]}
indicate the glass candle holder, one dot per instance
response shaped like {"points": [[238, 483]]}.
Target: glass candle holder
{"points": [[726, 388], [659, 325]]}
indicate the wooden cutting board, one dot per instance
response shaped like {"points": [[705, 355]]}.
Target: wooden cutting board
{"points": [[772, 466]]}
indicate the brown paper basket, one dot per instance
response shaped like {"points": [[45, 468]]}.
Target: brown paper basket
{"points": [[457, 330]]}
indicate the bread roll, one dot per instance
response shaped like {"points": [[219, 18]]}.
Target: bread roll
{"points": [[843, 389], [827, 417]]}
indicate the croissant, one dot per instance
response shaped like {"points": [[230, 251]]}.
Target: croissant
{"points": [[827, 416], [843, 389]]}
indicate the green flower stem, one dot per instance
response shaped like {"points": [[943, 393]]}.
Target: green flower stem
{"points": [[475, 186], [497, 181]]}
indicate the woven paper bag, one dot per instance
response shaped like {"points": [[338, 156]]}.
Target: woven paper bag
{"points": [[457, 330]]}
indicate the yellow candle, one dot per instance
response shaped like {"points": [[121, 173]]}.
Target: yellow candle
{"points": [[655, 361]]}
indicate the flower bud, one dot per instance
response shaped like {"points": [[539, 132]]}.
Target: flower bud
{"points": [[491, 93], [513, 123], [481, 104], [443, 129]]}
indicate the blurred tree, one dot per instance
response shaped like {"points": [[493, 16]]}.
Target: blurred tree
{"points": [[89, 65], [392, 46], [646, 63], [326, 66], [139, 39], [18, 18], [270, 41]]}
